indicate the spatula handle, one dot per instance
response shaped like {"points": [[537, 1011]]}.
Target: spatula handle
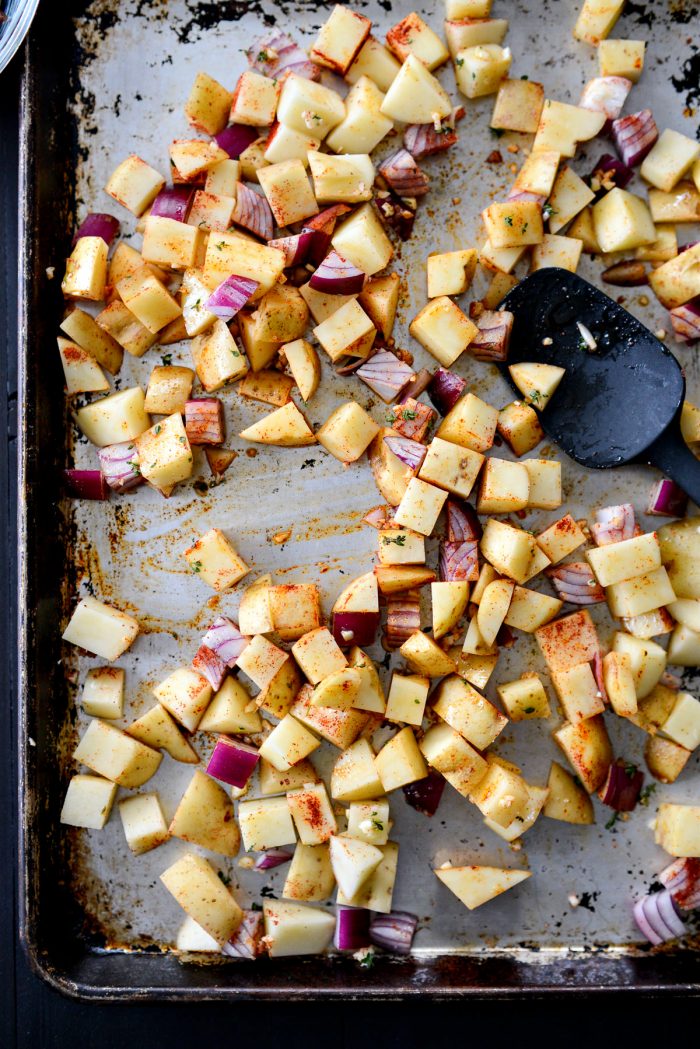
{"points": [[671, 455]]}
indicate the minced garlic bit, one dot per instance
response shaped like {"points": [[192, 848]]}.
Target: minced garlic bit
{"points": [[660, 334], [281, 537], [246, 863], [363, 953], [587, 336], [51, 272], [366, 826], [643, 300], [573, 900], [547, 341]]}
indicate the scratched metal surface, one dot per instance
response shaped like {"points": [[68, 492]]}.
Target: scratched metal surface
{"points": [[135, 74]]}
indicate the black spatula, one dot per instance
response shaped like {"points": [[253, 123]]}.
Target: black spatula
{"points": [[617, 404]]}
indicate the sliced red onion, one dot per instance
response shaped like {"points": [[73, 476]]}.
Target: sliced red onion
{"points": [[597, 668], [667, 500], [173, 202], [403, 175], [231, 296], [418, 385], [424, 795], [491, 344], [634, 136], [353, 364], [355, 628], [626, 274], [463, 524], [120, 465], [445, 389], [526, 195], [657, 918], [323, 226], [402, 618], [379, 517], [210, 666], [423, 140], [252, 212], [351, 929], [264, 53], [411, 453], [394, 932], [682, 879], [459, 562], [606, 94], [412, 419], [622, 786], [610, 172], [86, 484], [574, 582], [245, 942], [98, 224], [296, 249], [613, 524], [336, 276], [204, 420], [236, 138], [271, 858], [232, 762], [669, 680], [685, 321], [396, 214], [225, 639], [307, 70], [385, 375]]}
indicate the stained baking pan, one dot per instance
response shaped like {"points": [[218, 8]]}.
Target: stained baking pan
{"points": [[110, 77]]}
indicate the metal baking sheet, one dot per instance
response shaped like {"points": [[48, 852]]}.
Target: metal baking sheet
{"points": [[130, 66]]}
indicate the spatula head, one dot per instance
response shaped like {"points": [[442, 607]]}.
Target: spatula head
{"points": [[613, 402]]}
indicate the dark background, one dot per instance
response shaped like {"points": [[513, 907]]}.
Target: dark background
{"points": [[33, 1015]]}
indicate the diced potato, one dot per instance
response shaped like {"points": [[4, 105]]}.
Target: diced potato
{"points": [[682, 725], [193, 939], [474, 643], [371, 694], [207, 108], [252, 159], [479, 70], [286, 427], [647, 661], [513, 223], [467, 8], [323, 305], [525, 698], [502, 795], [619, 683], [493, 608], [309, 107], [135, 184], [622, 221], [379, 299], [86, 270], [448, 601], [192, 157], [254, 100], [470, 423], [450, 273], [169, 388], [288, 191], [353, 862], [468, 712], [681, 204], [348, 431], [537, 796], [567, 800], [288, 743], [341, 727], [347, 332], [217, 358], [266, 823], [376, 62], [347, 178], [544, 476], [665, 246], [312, 814], [451, 467], [519, 426], [449, 753], [103, 692], [411, 36], [420, 507], [156, 728], [186, 694], [88, 802], [475, 886], [561, 539], [227, 711], [627, 559], [274, 782], [665, 760], [443, 329], [518, 104], [261, 661], [356, 775], [292, 928], [538, 173], [282, 315], [501, 260], [340, 39], [109, 752], [82, 329], [563, 252], [504, 487], [401, 546], [364, 125], [310, 876], [338, 690], [642, 594], [80, 369], [284, 143], [578, 692], [684, 647], [536, 382], [529, 610], [120, 324], [671, 156], [563, 126], [361, 239], [204, 816], [539, 562], [476, 669], [468, 32], [170, 243], [596, 19], [510, 550], [100, 629], [588, 749], [203, 896], [164, 452], [304, 365], [415, 96], [369, 821], [678, 280], [621, 58], [211, 211], [399, 762], [568, 641], [215, 561], [294, 608], [376, 894], [678, 829], [318, 655], [680, 552], [582, 229], [407, 697]]}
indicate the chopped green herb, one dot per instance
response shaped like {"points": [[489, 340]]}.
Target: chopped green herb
{"points": [[255, 906], [166, 360], [535, 396], [196, 566], [262, 56], [197, 304], [631, 770], [547, 211], [157, 429], [182, 439], [368, 960], [459, 62], [390, 418], [529, 710], [646, 794], [135, 466], [225, 878], [221, 245], [582, 344], [408, 415], [377, 824], [524, 77], [612, 821], [400, 540], [235, 353], [508, 219]]}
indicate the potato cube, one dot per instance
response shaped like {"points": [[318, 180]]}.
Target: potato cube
{"points": [[274, 782], [518, 104], [369, 821], [135, 184], [420, 507], [537, 382], [449, 601], [82, 329], [678, 829], [665, 760], [501, 260], [288, 743], [582, 229], [562, 252], [677, 281], [569, 195], [170, 243], [450, 466], [467, 8], [356, 776], [443, 329], [252, 159], [186, 694], [169, 388], [348, 178], [524, 699], [310, 876], [88, 802], [411, 36], [207, 108], [294, 609], [288, 192], [447, 752], [642, 594], [286, 427], [475, 886], [519, 426], [347, 332], [109, 752], [379, 299], [468, 32], [539, 562], [504, 487], [415, 96], [361, 239], [192, 157], [528, 610], [407, 697], [621, 58], [103, 692], [400, 546], [509, 550], [340, 726], [596, 19], [561, 538], [544, 476], [340, 39], [165, 455], [120, 324], [619, 683], [671, 156], [254, 100], [143, 822], [229, 253], [266, 823], [627, 559], [684, 647], [375, 62], [563, 126], [665, 246], [682, 726], [100, 629], [471, 423], [156, 728], [682, 204], [480, 70], [308, 107], [647, 661], [198, 889], [353, 862], [217, 358], [587, 747], [312, 814], [513, 223], [215, 561], [318, 655], [284, 143], [399, 762], [376, 893], [502, 795], [348, 431], [567, 800], [450, 273], [227, 711], [538, 173], [578, 692], [86, 270], [364, 125], [622, 221], [371, 696], [292, 928], [80, 369], [211, 211], [468, 712]]}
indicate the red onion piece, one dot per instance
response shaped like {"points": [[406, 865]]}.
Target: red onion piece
{"points": [[264, 52], [685, 321], [396, 214], [336, 276], [622, 786], [657, 918], [394, 932], [236, 138], [412, 418], [634, 136], [210, 666], [669, 680], [610, 172], [323, 226], [424, 794], [306, 69], [353, 364], [459, 562], [418, 385], [597, 668], [626, 274], [411, 453], [385, 375], [296, 249], [86, 484], [574, 582], [606, 94], [524, 194], [245, 942], [402, 618], [402, 174], [423, 140], [232, 762], [271, 858], [252, 212], [120, 465], [231, 296], [666, 906], [667, 499], [173, 202], [445, 389], [682, 879], [204, 420], [379, 517], [351, 929], [613, 524], [98, 224], [491, 344], [463, 524], [225, 639], [355, 628]]}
